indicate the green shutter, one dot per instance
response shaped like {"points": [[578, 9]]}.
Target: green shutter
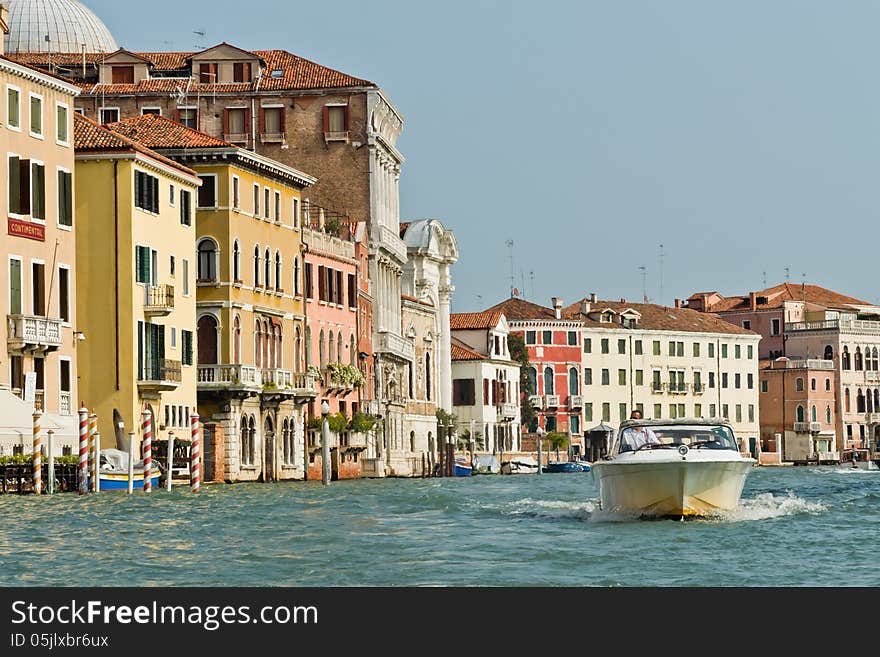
{"points": [[15, 287], [140, 330], [143, 264]]}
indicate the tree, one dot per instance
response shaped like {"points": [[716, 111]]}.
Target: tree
{"points": [[520, 354], [557, 440], [464, 440]]}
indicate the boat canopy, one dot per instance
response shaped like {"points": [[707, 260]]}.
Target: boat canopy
{"points": [[670, 434]]}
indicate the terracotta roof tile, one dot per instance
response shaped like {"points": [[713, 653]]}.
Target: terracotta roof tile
{"points": [[777, 294], [461, 351], [154, 131], [519, 309], [658, 318], [484, 320], [90, 136]]}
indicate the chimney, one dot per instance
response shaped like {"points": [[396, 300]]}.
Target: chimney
{"points": [[593, 297], [586, 306], [557, 306], [678, 303], [753, 300]]}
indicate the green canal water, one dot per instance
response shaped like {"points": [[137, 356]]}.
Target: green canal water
{"points": [[794, 527]]}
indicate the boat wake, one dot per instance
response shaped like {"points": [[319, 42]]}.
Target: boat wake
{"points": [[766, 506], [556, 509]]}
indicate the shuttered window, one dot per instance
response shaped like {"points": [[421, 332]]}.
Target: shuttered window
{"points": [[38, 191], [143, 264], [65, 198], [19, 185], [185, 207], [146, 192], [352, 292], [187, 347]]}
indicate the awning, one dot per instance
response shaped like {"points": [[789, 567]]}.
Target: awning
{"points": [[17, 420]]}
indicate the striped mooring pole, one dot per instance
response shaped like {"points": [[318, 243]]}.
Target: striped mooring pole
{"points": [[38, 454], [147, 431], [93, 430], [195, 472], [96, 464], [83, 450], [170, 468]]}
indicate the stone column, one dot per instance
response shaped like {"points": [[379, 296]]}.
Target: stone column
{"points": [[444, 357]]}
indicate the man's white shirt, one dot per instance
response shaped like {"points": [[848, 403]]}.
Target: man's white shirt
{"points": [[634, 438]]}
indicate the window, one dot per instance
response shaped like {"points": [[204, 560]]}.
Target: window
{"points": [[813, 384], [637, 347], [13, 108], [272, 126], [548, 381], [621, 377], [208, 73], [171, 195], [256, 201], [764, 385], [185, 207], [236, 193], [588, 346], [658, 412], [799, 384], [605, 346], [573, 388], [724, 351], [712, 408], [208, 192], [266, 206], [750, 381], [698, 410], [640, 378], [827, 384], [711, 350], [296, 213], [62, 124], [621, 411], [172, 263], [36, 115], [241, 72], [672, 349], [724, 379], [696, 349], [108, 115], [588, 376], [185, 264], [606, 412], [572, 338], [747, 324], [606, 377], [308, 281], [143, 264], [463, 392], [207, 263], [186, 344], [828, 415], [277, 206], [656, 347], [621, 346], [725, 411], [774, 327], [173, 338], [737, 380], [146, 192], [235, 124], [736, 351], [739, 412], [19, 180], [588, 412], [151, 110], [530, 337], [278, 278], [188, 116], [750, 352], [711, 379], [38, 191], [547, 337], [64, 294], [122, 74], [336, 123], [15, 286], [656, 385]]}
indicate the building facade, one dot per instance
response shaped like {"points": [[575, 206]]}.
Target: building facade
{"points": [[137, 285], [41, 326], [249, 287]]}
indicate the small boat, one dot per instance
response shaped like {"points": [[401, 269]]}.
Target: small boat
{"points": [[566, 466], [113, 473], [462, 469], [857, 459], [520, 465], [486, 464], [688, 467]]}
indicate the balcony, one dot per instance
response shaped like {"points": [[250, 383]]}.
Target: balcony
{"points": [[507, 411], [815, 427], [165, 376], [872, 418], [677, 388], [334, 135], [575, 401], [801, 427], [236, 137], [388, 239], [872, 375], [288, 384], [30, 333], [64, 403], [699, 388], [158, 300], [355, 441], [394, 345], [810, 364], [537, 401], [657, 387], [551, 401], [227, 377], [272, 137]]}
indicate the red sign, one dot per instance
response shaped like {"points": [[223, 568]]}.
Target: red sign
{"points": [[28, 230]]}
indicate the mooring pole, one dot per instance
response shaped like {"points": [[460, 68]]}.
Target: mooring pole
{"points": [[325, 444], [131, 435], [147, 429], [195, 472], [50, 441], [96, 465], [168, 470], [38, 454], [83, 450], [93, 429]]}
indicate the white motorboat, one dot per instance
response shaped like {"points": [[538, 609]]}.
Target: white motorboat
{"points": [[520, 465], [694, 469]]}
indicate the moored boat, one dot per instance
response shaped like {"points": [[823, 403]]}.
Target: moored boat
{"points": [[520, 465], [119, 481], [693, 467], [566, 466], [462, 469]]}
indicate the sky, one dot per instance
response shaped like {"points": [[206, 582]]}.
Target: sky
{"points": [[628, 148]]}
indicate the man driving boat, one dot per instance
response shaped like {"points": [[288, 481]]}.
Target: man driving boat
{"points": [[632, 438]]}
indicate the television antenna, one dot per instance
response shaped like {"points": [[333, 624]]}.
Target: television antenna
{"points": [[644, 271], [201, 33], [510, 247], [787, 272]]}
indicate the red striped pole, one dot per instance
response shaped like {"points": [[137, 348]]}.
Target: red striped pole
{"points": [[147, 430], [93, 430], [38, 454], [195, 473], [83, 449]]}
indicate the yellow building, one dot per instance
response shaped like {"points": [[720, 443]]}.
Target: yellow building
{"points": [[252, 384], [137, 284], [38, 302]]}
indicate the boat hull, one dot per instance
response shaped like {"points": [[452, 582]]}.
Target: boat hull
{"points": [[461, 470], [671, 487], [120, 481]]}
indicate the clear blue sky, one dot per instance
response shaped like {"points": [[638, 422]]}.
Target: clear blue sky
{"points": [[742, 136]]}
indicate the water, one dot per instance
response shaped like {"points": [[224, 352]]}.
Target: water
{"points": [[793, 527]]}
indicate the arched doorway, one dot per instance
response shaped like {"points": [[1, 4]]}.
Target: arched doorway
{"points": [[207, 336], [269, 449]]}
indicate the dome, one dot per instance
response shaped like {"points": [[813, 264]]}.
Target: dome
{"points": [[69, 24]]}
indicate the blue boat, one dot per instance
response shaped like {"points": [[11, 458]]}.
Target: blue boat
{"points": [[566, 466], [462, 469], [119, 481]]}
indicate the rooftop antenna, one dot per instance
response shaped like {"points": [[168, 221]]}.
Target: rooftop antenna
{"points": [[765, 280], [644, 271], [201, 33], [522, 282], [510, 246], [787, 272], [661, 273], [804, 286], [532, 282]]}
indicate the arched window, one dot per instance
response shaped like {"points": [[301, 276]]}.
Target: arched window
{"points": [[322, 349], [207, 265], [353, 348], [296, 276], [827, 384], [236, 340], [428, 377], [813, 384], [278, 343], [278, 279], [412, 441], [308, 343], [297, 350], [860, 401], [869, 402], [845, 358], [257, 266], [332, 345], [533, 380], [799, 384], [286, 455], [236, 262], [339, 347], [846, 404], [243, 442], [829, 352], [207, 340], [267, 269], [876, 399], [267, 345], [252, 439], [800, 413], [827, 415], [548, 381], [858, 359], [875, 360], [258, 343], [813, 415], [572, 381]]}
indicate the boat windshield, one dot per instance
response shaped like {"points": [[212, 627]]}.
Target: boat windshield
{"points": [[666, 436]]}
